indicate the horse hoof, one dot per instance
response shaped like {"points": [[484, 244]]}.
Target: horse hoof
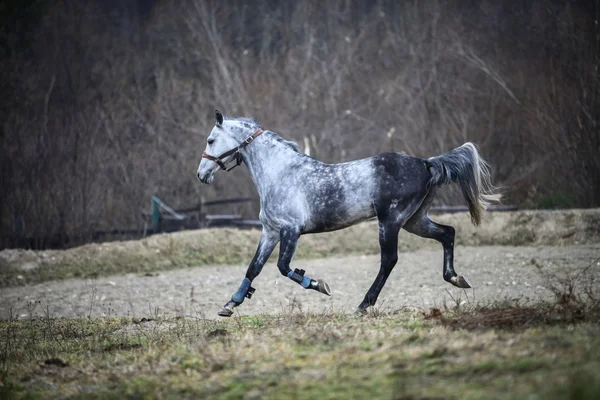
{"points": [[460, 281], [360, 312], [225, 312], [323, 287]]}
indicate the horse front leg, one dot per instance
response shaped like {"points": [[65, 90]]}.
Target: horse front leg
{"points": [[268, 241], [289, 241]]}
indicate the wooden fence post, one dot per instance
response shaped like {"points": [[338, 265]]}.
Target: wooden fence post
{"points": [[155, 214]]}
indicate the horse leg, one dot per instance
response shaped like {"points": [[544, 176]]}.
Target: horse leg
{"points": [[289, 241], [388, 241], [421, 225], [267, 243]]}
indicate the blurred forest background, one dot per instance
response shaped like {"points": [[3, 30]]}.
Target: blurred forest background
{"points": [[106, 103]]}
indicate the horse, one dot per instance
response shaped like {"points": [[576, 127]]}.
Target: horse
{"points": [[300, 195]]}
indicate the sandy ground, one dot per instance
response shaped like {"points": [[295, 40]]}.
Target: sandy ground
{"points": [[496, 272]]}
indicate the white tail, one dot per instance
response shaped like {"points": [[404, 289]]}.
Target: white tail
{"points": [[472, 172]]}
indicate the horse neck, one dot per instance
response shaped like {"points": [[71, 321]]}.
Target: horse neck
{"points": [[266, 158]]}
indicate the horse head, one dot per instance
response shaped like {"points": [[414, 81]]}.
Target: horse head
{"points": [[223, 146]]}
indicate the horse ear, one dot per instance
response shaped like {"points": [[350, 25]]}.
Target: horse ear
{"points": [[219, 117]]}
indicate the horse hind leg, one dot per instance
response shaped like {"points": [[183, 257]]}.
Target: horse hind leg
{"points": [[389, 228], [392, 218], [421, 225]]}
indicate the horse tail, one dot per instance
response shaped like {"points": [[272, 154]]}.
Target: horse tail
{"points": [[464, 165]]}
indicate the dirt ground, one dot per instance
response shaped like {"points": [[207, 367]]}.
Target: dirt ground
{"points": [[496, 272]]}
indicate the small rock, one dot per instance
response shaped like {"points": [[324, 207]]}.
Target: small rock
{"points": [[56, 361]]}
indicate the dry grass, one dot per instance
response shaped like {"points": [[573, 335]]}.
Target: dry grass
{"points": [[576, 300], [296, 355]]}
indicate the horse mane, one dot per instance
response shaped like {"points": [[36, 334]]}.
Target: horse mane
{"points": [[288, 143], [252, 123], [247, 122]]}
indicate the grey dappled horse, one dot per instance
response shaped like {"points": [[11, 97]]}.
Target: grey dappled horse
{"points": [[299, 194]]}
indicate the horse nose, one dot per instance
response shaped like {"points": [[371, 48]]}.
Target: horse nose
{"points": [[198, 174]]}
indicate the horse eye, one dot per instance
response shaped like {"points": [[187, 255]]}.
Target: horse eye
{"points": [[211, 141]]}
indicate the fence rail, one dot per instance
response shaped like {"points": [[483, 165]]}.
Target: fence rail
{"points": [[166, 219]]}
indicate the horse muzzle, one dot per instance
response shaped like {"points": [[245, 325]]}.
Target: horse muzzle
{"points": [[206, 178]]}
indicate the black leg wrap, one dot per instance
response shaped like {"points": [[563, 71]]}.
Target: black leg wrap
{"points": [[245, 290], [297, 276]]}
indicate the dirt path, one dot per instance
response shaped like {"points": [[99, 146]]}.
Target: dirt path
{"points": [[497, 272]]}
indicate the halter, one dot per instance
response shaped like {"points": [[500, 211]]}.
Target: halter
{"points": [[236, 151]]}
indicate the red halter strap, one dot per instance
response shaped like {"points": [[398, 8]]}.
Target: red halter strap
{"points": [[235, 151]]}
